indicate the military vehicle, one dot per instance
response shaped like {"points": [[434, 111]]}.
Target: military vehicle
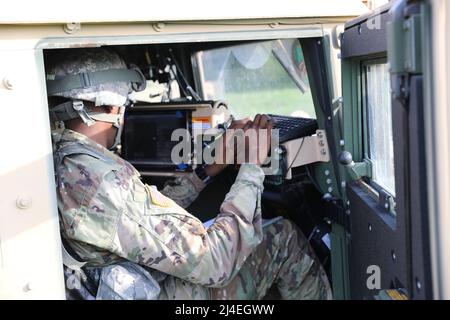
{"points": [[360, 99]]}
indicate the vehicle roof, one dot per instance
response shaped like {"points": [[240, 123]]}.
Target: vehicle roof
{"points": [[91, 11]]}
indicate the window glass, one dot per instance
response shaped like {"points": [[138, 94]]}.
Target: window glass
{"points": [[257, 77], [379, 117]]}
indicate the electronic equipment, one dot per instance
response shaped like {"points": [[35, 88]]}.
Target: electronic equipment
{"points": [[147, 139], [293, 127], [300, 142]]}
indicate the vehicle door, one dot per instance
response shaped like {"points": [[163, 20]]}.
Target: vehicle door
{"points": [[383, 157]]}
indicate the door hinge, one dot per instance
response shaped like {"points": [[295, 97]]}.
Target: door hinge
{"points": [[404, 40], [404, 51]]}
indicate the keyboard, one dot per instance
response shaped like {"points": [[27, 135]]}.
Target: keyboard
{"points": [[293, 127]]}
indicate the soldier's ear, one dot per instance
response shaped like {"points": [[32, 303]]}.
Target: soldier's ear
{"points": [[112, 109]]}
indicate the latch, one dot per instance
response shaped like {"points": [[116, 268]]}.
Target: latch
{"points": [[356, 170], [387, 201]]}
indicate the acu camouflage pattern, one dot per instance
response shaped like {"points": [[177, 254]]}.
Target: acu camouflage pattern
{"points": [[108, 216], [71, 62]]}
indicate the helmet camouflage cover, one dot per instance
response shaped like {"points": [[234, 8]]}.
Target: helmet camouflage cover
{"points": [[78, 61]]}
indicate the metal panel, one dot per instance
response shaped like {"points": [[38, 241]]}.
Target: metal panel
{"points": [[47, 11], [30, 246], [436, 73], [377, 237], [365, 38], [95, 35], [374, 242], [421, 271], [369, 15]]}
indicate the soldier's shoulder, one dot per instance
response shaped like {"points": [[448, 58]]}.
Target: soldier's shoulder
{"points": [[79, 167]]}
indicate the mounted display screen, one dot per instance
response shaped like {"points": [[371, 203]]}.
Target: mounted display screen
{"points": [[147, 137]]}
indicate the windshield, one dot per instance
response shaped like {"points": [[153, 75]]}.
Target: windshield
{"points": [[257, 77]]}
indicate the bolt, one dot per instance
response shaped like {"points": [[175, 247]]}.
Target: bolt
{"points": [[321, 143], [341, 143], [327, 197], [330, 189], [323, 152], [320, 134], [328, 181], [407, 64], [347, 212], [28, 287], [370, 227], [71, 27], [7, 83], [327, 172], [159, 26], [319, 42], [343, 184], [407, 25], [348, 202], [386, 205], [418, 284], [278, 150], [23, 202], [394, 257], [329, 118]]}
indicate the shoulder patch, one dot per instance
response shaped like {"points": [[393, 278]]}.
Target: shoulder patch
{"points": [[158, 198]]}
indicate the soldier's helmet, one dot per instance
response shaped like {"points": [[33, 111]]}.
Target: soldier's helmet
{"points": [[98, 75]]}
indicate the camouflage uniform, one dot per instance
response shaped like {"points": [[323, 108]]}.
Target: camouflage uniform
{"points": [[108, 216]]}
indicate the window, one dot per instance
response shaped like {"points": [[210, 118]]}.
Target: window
{"points": [[257, 77], [379, 125]]}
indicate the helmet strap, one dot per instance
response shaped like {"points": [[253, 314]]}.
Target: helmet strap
{"points": [[71, 110], [119, 126]]}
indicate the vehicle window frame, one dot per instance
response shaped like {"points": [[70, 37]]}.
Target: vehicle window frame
{"points": [[382, 194], [198, 71]]}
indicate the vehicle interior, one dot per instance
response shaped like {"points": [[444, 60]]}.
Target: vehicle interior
{"points": [[324, 171], [348, 102], [246, 78]]}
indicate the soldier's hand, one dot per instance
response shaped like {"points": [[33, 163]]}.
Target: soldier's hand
{"points": [[259, 139], [226, 152]]}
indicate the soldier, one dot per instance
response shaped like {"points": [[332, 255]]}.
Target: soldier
{"points": [[137, 242]]}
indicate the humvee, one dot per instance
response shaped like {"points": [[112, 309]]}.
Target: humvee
{"points": [[369, 187]]}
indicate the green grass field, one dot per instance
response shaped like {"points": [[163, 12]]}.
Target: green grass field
{"points": [[276, 101]]}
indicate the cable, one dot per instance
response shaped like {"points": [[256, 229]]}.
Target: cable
{"points": [[313, 232], [311, 178], [296, 155], [178, 80], [188, 87]]}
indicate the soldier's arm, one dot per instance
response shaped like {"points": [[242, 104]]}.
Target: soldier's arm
{"points": [[171, 240], [184, 190]]}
